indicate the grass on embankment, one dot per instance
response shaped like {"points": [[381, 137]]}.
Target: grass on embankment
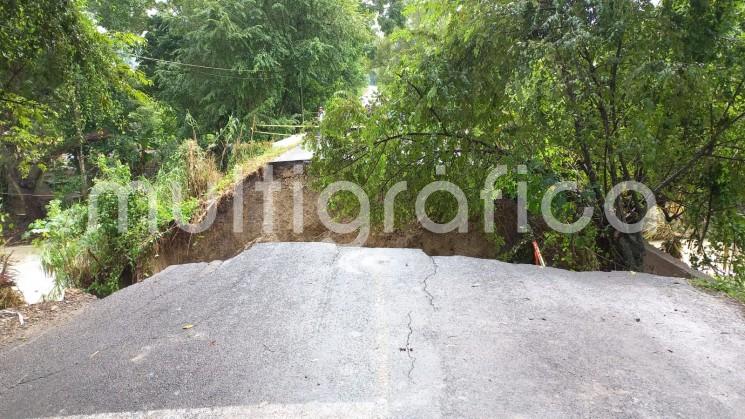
{"points": [[731, 286]]}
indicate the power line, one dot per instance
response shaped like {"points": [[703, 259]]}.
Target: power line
{"points": [[159, 60], [228, 76], [27, 194], [259, 74]]}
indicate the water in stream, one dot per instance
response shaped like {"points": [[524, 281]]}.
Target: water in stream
{"points": [[35, 284]]}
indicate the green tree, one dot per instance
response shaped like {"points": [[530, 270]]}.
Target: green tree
{"points": [[66, 91], [242, 57], [597, 91], [390, 14], [122, 15]]}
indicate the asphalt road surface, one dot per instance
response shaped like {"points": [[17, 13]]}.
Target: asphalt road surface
{"points": [[318, 330]]}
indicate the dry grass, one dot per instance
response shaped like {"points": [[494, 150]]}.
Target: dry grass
{"points": [[247, 164], [245, 151], [659, 229], [201, 170], [250, 159], [7, 271], [9, 297]]}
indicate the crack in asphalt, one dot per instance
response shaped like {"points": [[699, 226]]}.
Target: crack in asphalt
{"points": [[337, 256], [327, 289], [425, 284], [408, 347], [24, 381]]}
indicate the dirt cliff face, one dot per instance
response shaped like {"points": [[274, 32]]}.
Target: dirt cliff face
{"points": [[220, 242]]}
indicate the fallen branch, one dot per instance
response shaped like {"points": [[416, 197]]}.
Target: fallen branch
{"points": [[9, 313]]}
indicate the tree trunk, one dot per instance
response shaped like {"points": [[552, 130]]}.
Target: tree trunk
{"points": [[629, 251], [83, 177], [22, 202], [81, 139]]}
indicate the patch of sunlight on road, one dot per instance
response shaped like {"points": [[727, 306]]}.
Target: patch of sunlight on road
{"points": [[262, 410]]}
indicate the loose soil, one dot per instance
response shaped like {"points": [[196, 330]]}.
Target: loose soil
{"points": [[42, 316], [220, 242]]}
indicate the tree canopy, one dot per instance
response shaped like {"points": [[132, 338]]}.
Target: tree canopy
{"points": [[64, 84], [219, 58], [104, 94], [389, 14], [129, 78], [595, 91]]}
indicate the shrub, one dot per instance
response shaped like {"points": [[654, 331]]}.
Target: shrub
{"points": [[97, 256], [578, 252], [200, 170]]}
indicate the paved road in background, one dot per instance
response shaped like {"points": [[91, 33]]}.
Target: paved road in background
{"points": [[324, 331], [297, 150], [300, 152]]}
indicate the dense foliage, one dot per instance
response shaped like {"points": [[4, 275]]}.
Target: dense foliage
{"points": [[597, 92], [65, 89], [592, 91], [389, 14], [100, 256], [249, 57], [103, 92]]}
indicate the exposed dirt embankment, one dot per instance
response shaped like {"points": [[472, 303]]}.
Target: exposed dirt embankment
{"points": [[221, 242]]}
